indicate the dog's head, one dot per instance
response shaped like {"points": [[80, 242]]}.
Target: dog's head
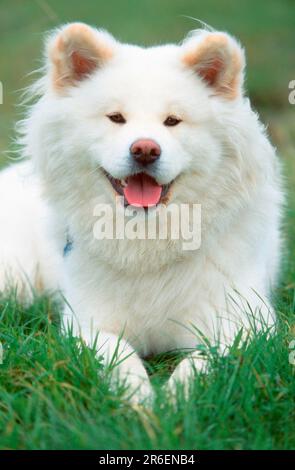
{"points": [[144, 118], [150, 124]]}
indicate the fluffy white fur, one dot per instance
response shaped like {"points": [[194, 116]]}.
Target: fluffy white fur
{"points": [[150, 292]]}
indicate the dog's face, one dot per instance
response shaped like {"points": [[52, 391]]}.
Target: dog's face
{"points": [[143, 121]]}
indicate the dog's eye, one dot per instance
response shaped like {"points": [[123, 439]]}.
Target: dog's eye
{"points": [[117, 118], [171, 121]]}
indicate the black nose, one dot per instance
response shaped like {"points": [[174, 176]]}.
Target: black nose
{"points": [[145, 151]]}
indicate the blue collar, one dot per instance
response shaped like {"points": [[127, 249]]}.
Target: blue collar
{"points": [[69, 245]]}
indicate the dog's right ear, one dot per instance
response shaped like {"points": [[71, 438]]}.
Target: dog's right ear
{"points": [[75, 51]]}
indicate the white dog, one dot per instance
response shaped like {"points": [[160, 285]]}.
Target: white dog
{"points": [[160, 125]]}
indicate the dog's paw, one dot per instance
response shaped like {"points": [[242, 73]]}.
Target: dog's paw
{"points": [[137, 388], [139, 392], [183, 376]]}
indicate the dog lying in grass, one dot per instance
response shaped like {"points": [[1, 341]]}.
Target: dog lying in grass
{"points": [[159, 127]]}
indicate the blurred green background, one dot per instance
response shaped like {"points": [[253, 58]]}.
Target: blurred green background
{"points": [[265, 28]]}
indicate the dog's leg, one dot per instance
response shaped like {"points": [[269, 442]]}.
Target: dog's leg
{"points": [[127, 367], [118, 355], [184, 373], [247, 314]]}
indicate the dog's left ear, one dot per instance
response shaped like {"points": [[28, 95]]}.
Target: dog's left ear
{"points": [[218, 59], [75, 51]]}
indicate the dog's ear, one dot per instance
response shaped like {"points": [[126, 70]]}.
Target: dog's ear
{"points": [[218, 59], [75, 51]]}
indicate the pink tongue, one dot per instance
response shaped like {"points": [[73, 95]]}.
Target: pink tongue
{"points": [[142, 191]]}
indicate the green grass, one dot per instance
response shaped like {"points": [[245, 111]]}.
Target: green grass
{"points": [[54, 392]]}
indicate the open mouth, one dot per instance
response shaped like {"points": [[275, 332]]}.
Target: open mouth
{"points": [[140, 190]]}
